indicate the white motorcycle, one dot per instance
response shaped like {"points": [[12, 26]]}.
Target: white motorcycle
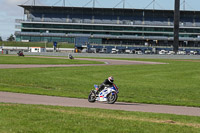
{"points": [[108, 94]]}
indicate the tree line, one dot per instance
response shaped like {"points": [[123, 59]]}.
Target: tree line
{"points": [[10, 38]]}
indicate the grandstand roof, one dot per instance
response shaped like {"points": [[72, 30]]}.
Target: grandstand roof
{"points": [[98, 8]]}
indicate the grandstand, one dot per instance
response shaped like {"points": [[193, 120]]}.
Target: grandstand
{"points": [[107, 26]]}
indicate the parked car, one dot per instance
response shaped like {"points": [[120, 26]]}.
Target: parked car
{"points": [[114, 51], [181, 52], [138, 52], [193, 53], [171, 53], [147, 51], [163, 52]]}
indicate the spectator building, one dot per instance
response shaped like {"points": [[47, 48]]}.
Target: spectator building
{"points": [[107, 26]]}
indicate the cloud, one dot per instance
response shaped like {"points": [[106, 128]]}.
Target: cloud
{"points": [[11, 8], [9, 11], [11, 2]]}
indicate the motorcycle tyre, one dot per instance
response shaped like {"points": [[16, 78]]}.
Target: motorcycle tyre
{"points": [[91, 100], [114, 100]]}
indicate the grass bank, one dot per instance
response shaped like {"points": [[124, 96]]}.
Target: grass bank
{"points": [[176, 83], [43, 119], [36, 44]]}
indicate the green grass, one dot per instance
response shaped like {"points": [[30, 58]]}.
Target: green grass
{"points": [[176, 83], [36, 44], [51, 119], [39, 60]]}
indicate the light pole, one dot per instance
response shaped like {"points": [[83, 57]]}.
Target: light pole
{"points": [[176, 25]]}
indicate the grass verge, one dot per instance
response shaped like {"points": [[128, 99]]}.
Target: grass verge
{"points": [[36, 44], [41, 119], [40, 60]]}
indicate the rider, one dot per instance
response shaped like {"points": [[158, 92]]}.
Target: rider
{"points": [[107, 83], [70, 56]]}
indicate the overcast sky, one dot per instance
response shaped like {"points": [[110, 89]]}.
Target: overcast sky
{"points": [[9, 9]]}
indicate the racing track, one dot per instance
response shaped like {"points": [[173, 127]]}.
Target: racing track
{"points": [[106, 62], [7, 97]]}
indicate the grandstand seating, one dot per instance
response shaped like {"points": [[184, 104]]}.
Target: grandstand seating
{"points": [[124, 26], [111, 19], [103, 36]]}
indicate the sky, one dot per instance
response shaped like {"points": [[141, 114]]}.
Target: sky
{"points": [[9, 9]]}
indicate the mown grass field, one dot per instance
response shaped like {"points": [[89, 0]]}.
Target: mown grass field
{"points": [[176, 83], [42, 119], [36, 44], [39, 60]]}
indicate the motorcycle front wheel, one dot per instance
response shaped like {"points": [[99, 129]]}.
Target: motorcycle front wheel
{"points": [[92, 97], [112, 98]]}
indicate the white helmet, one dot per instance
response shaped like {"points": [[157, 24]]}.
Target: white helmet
{"points": [[111, 79]]}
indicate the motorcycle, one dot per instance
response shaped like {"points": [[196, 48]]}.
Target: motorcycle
{"points": [[20, 53], [108, 94], [70, 57]]}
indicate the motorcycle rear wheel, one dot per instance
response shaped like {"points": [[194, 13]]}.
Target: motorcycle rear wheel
{"points": [[112, 98], [92, 97]]}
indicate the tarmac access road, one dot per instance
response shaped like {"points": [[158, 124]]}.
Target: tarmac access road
{"points": [[7, 97]]}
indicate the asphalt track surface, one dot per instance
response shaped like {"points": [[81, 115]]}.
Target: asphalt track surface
{"points": [[106, 62], [7, 97]]}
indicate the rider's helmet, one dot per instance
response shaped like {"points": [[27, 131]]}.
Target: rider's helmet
{"points": [[111, 79]]}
